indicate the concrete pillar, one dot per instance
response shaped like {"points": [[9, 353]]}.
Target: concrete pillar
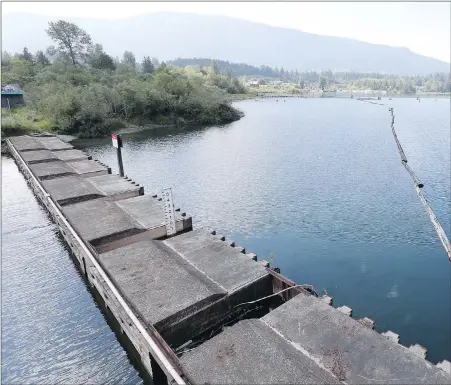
{"points": [[326, 299], [391, 336], [345, 310], [369, 323], [419, 350], [252, 256]]}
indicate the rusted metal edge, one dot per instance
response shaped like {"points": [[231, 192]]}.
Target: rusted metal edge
{"points": [[281, 282]]}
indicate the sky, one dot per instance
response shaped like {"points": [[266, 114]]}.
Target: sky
{"points": [[423, 27]]}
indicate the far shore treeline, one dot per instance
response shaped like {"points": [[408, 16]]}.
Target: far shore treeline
{"points": [[75, 87], [349, 80]]}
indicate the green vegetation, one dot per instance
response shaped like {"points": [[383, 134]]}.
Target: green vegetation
{"points": [[328, 80], [22, 120], [83, 91]]}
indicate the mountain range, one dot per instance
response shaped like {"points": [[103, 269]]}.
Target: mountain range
{"points": [[169, 35]]}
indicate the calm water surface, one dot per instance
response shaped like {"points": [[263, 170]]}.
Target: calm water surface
{"points": [[317, 186]]}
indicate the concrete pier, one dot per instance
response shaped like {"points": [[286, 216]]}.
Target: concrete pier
{"points": [[196, 289], [352, 352], [250, 352], [73, 189]]}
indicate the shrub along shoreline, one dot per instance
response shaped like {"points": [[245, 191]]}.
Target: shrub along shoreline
{"points": [[89, 94]]}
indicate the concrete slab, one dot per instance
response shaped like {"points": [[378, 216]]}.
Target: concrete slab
{"points": [[38, 156], [353, 352], [223, 264], [161, 286], [88, 168], [101, 222], [51, 170], [250, 352], [113, 185], [52, 143], [26, 143], [107, 226], [56, 169], [149, 212], [70, 155], [73, 189]]}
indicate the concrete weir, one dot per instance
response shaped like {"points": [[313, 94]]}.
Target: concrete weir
{"points": [[195, 307]]}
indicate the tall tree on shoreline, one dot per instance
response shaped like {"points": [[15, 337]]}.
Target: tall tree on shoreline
{"points": [[41, 59], [74, 43], [129, 59], [26, 55], [147, 66]]}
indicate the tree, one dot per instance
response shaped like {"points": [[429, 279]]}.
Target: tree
{"points": [[214, 68], [103, 62], [41, 59], [129, 59], [322, 82], [155, 62], [74, 43], [25, 55], [20, 71], [97, 58], [147, 66], [6, 58]]}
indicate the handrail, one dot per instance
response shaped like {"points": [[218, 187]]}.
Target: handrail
{"points": [[154, 347]]}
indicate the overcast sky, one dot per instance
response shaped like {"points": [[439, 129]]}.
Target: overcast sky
{"points": [[422, 27]]}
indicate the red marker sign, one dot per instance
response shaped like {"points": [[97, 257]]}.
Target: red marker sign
{"points": [[115, 140]]}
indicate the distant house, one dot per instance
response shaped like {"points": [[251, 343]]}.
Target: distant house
{"points": [[254, 83], [12, 96]]}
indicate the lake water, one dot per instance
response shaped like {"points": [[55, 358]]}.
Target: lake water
{"points": [[314, 185]]}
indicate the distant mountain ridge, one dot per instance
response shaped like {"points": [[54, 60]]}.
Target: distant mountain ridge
{"points": [[170, 35]]}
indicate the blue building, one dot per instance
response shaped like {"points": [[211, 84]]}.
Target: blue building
{"points": [[12, 99]]}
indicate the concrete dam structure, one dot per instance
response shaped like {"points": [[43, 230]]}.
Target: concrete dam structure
{"points": [[197, 308]]}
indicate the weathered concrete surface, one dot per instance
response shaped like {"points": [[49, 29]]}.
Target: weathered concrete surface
{"points": [[38, 156], [57, 169], [51, 170], [114, 186], [26, 143], [159, 284], [231, 269], [41, 156], [250, 352], [52, 143], [29, 143], [149, 212], [107, 226], [73, 189], [88, 168], [351, 351], [101, 221], [70, 155]]}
